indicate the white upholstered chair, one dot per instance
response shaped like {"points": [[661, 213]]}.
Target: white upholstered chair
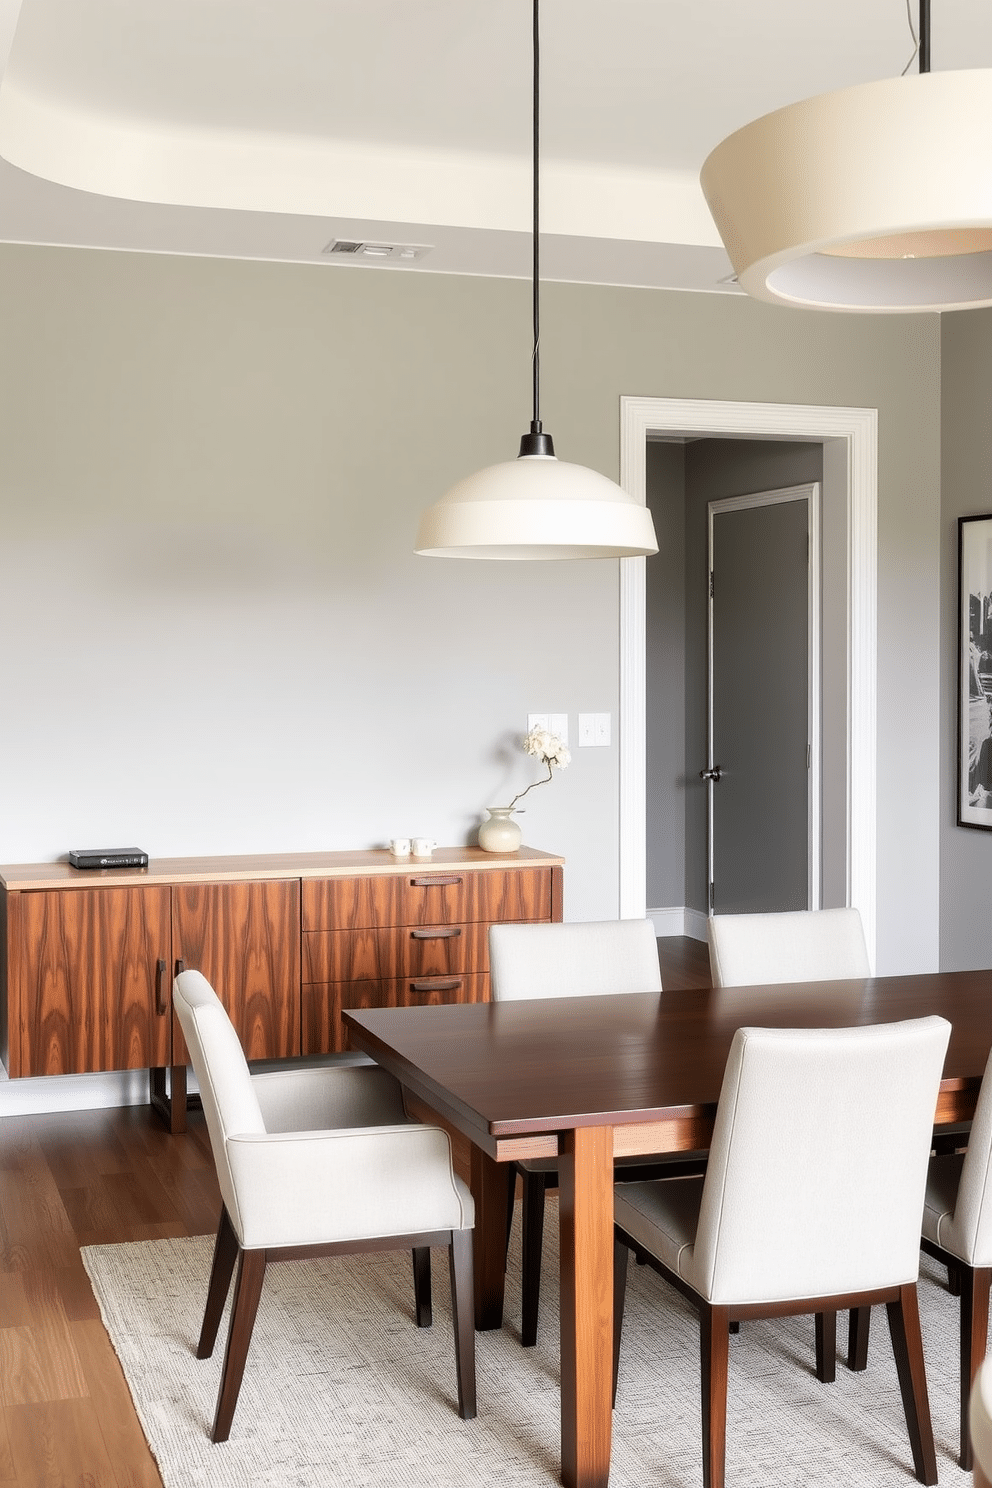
{"points": [[797, 1213], [588, 959], [317, 1162], [806, 945], [957, 1231]]}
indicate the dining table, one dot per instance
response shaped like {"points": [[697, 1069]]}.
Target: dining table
{"points": [[590, 1079]]}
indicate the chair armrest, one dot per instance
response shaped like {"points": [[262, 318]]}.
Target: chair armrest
{"points": [[326, 1099], [313, 1188]]}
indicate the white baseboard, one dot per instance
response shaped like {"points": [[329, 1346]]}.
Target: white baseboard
{"points": [[36, 1097], [679, 920]]}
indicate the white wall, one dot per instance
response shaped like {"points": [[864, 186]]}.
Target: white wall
{"points": [[218, 638]]}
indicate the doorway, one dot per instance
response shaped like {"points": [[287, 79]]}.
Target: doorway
{"points": [[762, 774], [849, 439]]}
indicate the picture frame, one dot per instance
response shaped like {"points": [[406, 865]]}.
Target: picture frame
{"points": [[975, 672]]}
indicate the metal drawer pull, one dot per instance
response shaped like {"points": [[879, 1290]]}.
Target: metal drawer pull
{"points": [[161, 1002], [450, 985], [439, 932], [438, 878]]}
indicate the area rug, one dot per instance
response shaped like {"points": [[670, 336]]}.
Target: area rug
{"points": [[342, 1388]]}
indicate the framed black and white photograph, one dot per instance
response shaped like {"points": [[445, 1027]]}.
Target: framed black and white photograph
{"points": [[975, 672]]}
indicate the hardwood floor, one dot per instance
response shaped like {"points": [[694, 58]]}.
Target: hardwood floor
{"points": [[685, 963], [96, 1178], [82, 1178]]}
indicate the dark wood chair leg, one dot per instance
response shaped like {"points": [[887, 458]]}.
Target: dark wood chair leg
{"points": [[225, 1255], [247, 1290], [714, 1348], [907, 1345], [974, 1340], [858, 1330], [422, 1286], [620, 1257], [826, 1347], [463, 1310], [533, 1244], [954, 1279]]}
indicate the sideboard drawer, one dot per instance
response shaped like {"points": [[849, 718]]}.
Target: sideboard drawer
{"points": [[323, 1004], [410, 950], [426, 896]]}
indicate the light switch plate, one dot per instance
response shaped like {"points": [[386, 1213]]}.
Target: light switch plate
{"points": [[537, 720], [594, 730], [558, 724]]}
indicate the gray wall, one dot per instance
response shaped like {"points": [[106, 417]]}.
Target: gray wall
{"points": [[681, 483], [666, 668], [715, 469], [966, 490], [218, 637]]}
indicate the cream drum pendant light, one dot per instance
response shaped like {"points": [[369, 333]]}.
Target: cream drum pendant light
{"points": [[536, 506], [873, 198]]}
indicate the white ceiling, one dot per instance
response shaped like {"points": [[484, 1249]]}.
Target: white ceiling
{"points": [[265, 128]]}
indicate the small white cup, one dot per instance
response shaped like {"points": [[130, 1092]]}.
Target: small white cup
{"points": [[423, 847], [399, 847]]}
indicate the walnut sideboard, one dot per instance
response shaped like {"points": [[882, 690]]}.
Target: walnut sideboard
{"points": [[87, 957]]}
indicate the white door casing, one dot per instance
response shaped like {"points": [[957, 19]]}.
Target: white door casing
{"points": [[857, 430]]}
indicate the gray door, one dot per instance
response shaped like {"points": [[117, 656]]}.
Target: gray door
{"points": [[763, 846]]}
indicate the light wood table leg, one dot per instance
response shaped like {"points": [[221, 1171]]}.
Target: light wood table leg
{"points": [[585, 1181], [490, 1189]]}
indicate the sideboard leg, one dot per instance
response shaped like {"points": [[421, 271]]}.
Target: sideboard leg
{"points": [[171, 1107]]}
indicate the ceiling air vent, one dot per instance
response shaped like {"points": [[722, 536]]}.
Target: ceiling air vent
{"points": [[376, 252]]}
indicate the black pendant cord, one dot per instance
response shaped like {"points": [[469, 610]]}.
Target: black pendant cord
{"points": [[536, 233], [924, 35], [536, 442]]}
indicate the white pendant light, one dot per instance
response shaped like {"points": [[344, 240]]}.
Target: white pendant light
{"points": [[873, 198], [536, 506]]}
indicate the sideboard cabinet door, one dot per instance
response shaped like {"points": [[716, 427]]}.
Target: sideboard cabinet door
{"points": [[245, 939], [88, 992]]}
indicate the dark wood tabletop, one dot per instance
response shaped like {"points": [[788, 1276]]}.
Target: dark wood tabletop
{"points": [[513, 1068]]}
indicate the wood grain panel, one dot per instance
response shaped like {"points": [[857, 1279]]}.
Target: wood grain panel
{"points": [[245, 939], [84, 993], [413, 951], [423, 896], [322, 1027], [585, 1182]]}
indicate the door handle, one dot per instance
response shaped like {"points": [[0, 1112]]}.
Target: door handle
{"points": [[161, 1000], [715, 774]]}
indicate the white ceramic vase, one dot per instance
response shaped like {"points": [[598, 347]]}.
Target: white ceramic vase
{"points": [[499, 833]]}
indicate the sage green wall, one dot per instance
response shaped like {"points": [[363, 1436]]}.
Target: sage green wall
{"points": [[218, 637], [966, 490]]}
